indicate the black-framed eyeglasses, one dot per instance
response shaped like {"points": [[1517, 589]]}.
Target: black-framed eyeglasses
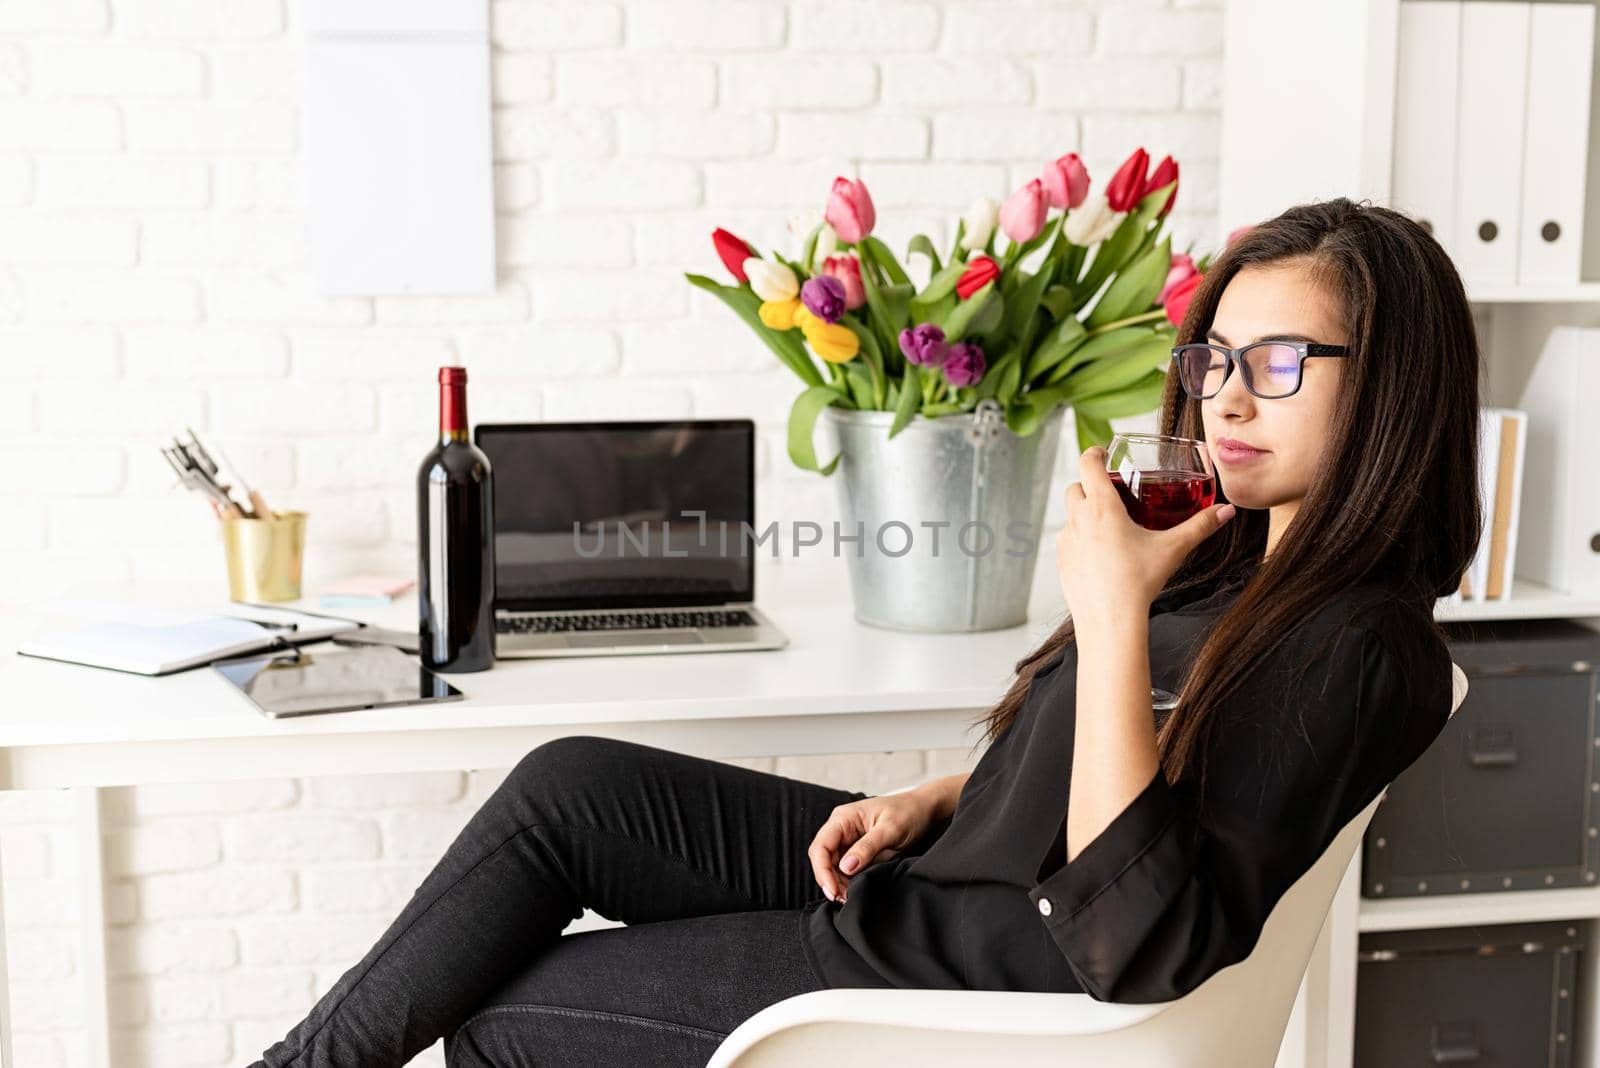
{"points": [[1271, 368]]}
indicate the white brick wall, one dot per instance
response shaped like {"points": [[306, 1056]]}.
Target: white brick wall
{"points": [[153, 274]]}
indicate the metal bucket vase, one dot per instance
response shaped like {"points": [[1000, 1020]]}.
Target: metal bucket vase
{"points": [[950, 514]]}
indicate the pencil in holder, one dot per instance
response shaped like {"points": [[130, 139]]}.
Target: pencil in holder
{"points": [[264, 556]]}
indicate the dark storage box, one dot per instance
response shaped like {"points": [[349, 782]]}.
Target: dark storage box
{"points": [[1499, 996], [1507, 797]]}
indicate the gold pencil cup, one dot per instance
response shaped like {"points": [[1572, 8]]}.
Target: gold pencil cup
{"points": [[264, 556]]}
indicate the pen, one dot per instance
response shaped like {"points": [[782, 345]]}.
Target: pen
{"points": [[303, 612], [269, 624]]}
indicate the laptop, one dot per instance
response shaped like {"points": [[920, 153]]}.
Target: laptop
{"points": [[615, 538]]}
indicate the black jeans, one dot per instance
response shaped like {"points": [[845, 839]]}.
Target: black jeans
{"points": [[705, 861]]}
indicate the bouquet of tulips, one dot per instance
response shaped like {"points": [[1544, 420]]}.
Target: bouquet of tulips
{"points": [[1089, 324]]}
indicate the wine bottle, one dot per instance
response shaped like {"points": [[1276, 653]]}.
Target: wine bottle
{"points": [[455, 541]]}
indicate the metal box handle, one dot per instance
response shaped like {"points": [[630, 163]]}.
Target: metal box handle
{"points": [[1455, 1043], [1492, 747]]}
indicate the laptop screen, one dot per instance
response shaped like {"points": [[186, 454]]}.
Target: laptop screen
{"points": [[608, 515]]}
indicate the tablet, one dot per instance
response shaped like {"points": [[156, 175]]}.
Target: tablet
{"points": [[302, 682]]}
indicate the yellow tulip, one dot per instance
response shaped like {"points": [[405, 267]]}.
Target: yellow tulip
{"points": [[834, 342], [779, 314]]}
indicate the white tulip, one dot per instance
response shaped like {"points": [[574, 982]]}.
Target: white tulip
{"points": [[977, 225], [801, 223], [1091, 222], [771, 281], [827, 245]]}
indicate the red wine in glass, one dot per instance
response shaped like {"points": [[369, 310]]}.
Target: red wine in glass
{"points": [[1162, 481], [1165, 498]]}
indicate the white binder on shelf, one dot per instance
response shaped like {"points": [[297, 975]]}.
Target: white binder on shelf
{"points": [[1493, 91], [1427, 69], [1556, 143], [1559, 544]]}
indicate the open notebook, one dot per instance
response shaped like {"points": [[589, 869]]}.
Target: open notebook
{"points": [[156, 641]]}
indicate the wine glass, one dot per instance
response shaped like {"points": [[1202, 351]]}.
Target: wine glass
{"points": [[1162, 481]]}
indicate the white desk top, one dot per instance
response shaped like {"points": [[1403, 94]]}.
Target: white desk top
{"points": [[833, 665]]}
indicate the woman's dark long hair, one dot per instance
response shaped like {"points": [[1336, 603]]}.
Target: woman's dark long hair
{"points": [[1394, 500]]}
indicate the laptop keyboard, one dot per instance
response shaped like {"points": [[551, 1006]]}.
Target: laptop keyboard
{"points": [[713, 617]]}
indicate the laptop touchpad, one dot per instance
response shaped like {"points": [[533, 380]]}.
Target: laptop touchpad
{"points": [[656, 637]]}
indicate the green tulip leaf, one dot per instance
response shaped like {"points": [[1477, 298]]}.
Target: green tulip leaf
{"points": [[1091, 431], [938, 287], [785, 343], [1097, 347], [990, 382], [1057, 345], [1022, 312], [910, 399], [873, 355], [859, 381], [1057, 300], [1010, 382], [880, 254], [1115, 370], [955, 245], [966, 311], [1136, 399], [1135, 289], [921, 244], [802, 424], [882, 322]]}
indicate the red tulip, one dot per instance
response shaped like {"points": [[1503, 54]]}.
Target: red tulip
{"points": [[1066, 181], [733, 251], [1177, 304], [1166, 173], [980, 271], [1181, 269], [1123, 191]]}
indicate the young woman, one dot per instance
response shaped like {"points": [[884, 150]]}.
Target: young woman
{"points": [[1295, 619]]}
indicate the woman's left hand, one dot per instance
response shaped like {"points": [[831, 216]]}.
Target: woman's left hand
{"points": [[1112, 568]]}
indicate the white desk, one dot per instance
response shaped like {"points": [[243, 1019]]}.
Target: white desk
{"points": [[839, 686]]}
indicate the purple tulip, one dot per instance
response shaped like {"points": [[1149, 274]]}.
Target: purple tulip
{"points": [[924, 344], [965, 365], [824, 297]]}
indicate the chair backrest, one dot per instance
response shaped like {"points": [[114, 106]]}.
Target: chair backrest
{"points": [[1239, 1015]]}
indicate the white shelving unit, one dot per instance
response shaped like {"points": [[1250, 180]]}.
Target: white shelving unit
{"points": [[1331, 69], [1577, 293], [1528, 600], [1469, 910]]}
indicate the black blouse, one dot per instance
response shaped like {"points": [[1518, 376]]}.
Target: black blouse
{"points": [[1172, 890]]}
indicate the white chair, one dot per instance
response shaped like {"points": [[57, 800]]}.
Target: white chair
{"points": [[1235, 1019]]}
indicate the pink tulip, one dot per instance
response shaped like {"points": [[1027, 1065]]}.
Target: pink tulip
{"points": [[1022, 215], [847, 269], [850, 211], [1182, 268], [1066, 181]]}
